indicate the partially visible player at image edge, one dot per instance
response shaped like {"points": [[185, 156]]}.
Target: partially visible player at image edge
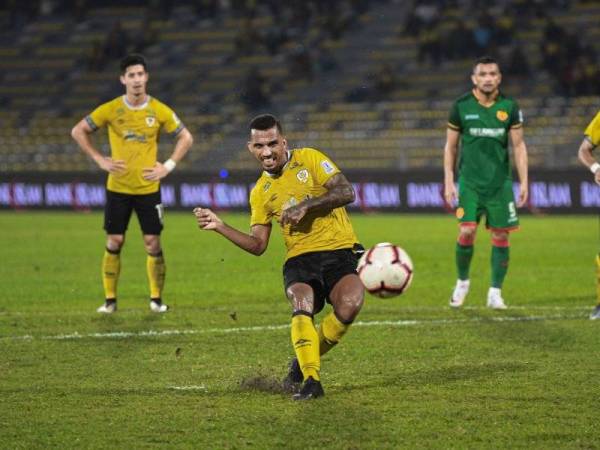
{"points": [[134, 122], [586, 156]]}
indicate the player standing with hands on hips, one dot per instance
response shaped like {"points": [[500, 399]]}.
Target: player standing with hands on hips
{"points": [[134, 122], [586, 156], [482, 120], [306, 193]]}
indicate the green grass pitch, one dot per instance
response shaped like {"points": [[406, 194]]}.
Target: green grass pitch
{"points": [[411, 373]]}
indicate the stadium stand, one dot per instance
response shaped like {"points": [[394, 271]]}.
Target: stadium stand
{"points": [[369, 82]]}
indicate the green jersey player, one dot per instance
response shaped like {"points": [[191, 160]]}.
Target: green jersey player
{"points": [[483, 120]]}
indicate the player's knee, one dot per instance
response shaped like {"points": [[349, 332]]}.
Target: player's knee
{"points": [[500, 238], [350, 305], [114, 242], [152, 244], [301, 297], [466, 235]]}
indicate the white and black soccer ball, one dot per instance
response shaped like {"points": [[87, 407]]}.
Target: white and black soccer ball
{"points": [[385, 270]]}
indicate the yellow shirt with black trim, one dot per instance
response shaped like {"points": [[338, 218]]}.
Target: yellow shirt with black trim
{"points": [[133, 133], [303, 177], [593, 130]]}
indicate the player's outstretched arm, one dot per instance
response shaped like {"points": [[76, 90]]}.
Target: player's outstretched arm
{"points": [[81, 133], [520, 152], [183, 142], [256, 242], [450, 151], [586, 156], [339, 193]]}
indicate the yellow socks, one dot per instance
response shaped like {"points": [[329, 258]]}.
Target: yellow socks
{"points": [[306, 345], [111, 267], [155, 266], [331, 331]]}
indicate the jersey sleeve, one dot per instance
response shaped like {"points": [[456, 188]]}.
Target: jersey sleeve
{"points": [[259, 213], [320, 165], [592, 132], [99, 117], [454, 121], [516, 116], [169, 120]]}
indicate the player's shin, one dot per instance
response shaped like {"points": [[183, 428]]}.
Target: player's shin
{"points": [[111, 267], [499, 261], [330, 332], [155, 266], [306, 344], [464, 255]]}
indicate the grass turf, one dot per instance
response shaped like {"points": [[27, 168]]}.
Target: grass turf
{"points": [[410, 373]]}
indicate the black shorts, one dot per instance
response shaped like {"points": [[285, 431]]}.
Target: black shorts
{"points": [[118, 209], [321, 270]]}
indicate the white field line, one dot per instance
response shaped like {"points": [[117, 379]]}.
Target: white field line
{"points": [[375, 323], [188, 388]]}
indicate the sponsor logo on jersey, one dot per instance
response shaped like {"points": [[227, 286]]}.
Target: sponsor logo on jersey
{"points": [[327, 166], [460, 213], [302, 175], [487, 132], [471, 116], [502, 115], [150, 121], [132, 136]]}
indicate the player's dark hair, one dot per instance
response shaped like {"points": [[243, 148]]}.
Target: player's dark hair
{"points": [[485, 60], [133, 59], [265, 122]]}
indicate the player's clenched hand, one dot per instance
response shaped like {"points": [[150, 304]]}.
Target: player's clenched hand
{"points": [[450, 194], [155, 173], [292, 215], [207, 220], [112, 165], [523, 195]]}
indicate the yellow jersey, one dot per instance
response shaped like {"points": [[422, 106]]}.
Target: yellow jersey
{"points": [[593, 130], [133, 133], [303, 176]]}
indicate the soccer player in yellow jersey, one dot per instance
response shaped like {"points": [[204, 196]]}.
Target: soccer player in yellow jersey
{"points": [[134, 122], [305, 192], [586, 156]]}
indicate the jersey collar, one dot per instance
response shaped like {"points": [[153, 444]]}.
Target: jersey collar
{"points": [[474, 92], [135, 108]]}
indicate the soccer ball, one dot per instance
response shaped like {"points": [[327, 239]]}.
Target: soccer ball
{"points": [[385, 270]]}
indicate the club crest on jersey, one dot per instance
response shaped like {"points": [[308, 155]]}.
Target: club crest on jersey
{"points": [[266, 186], [150, 121], [327, 167], [302, 175], [501, 115]]}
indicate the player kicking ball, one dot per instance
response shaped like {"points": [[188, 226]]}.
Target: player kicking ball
{"points": [[483, 120], [306, 193]]}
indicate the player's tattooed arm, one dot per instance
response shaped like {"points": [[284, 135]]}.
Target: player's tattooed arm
{"points": [[339, 193]]}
